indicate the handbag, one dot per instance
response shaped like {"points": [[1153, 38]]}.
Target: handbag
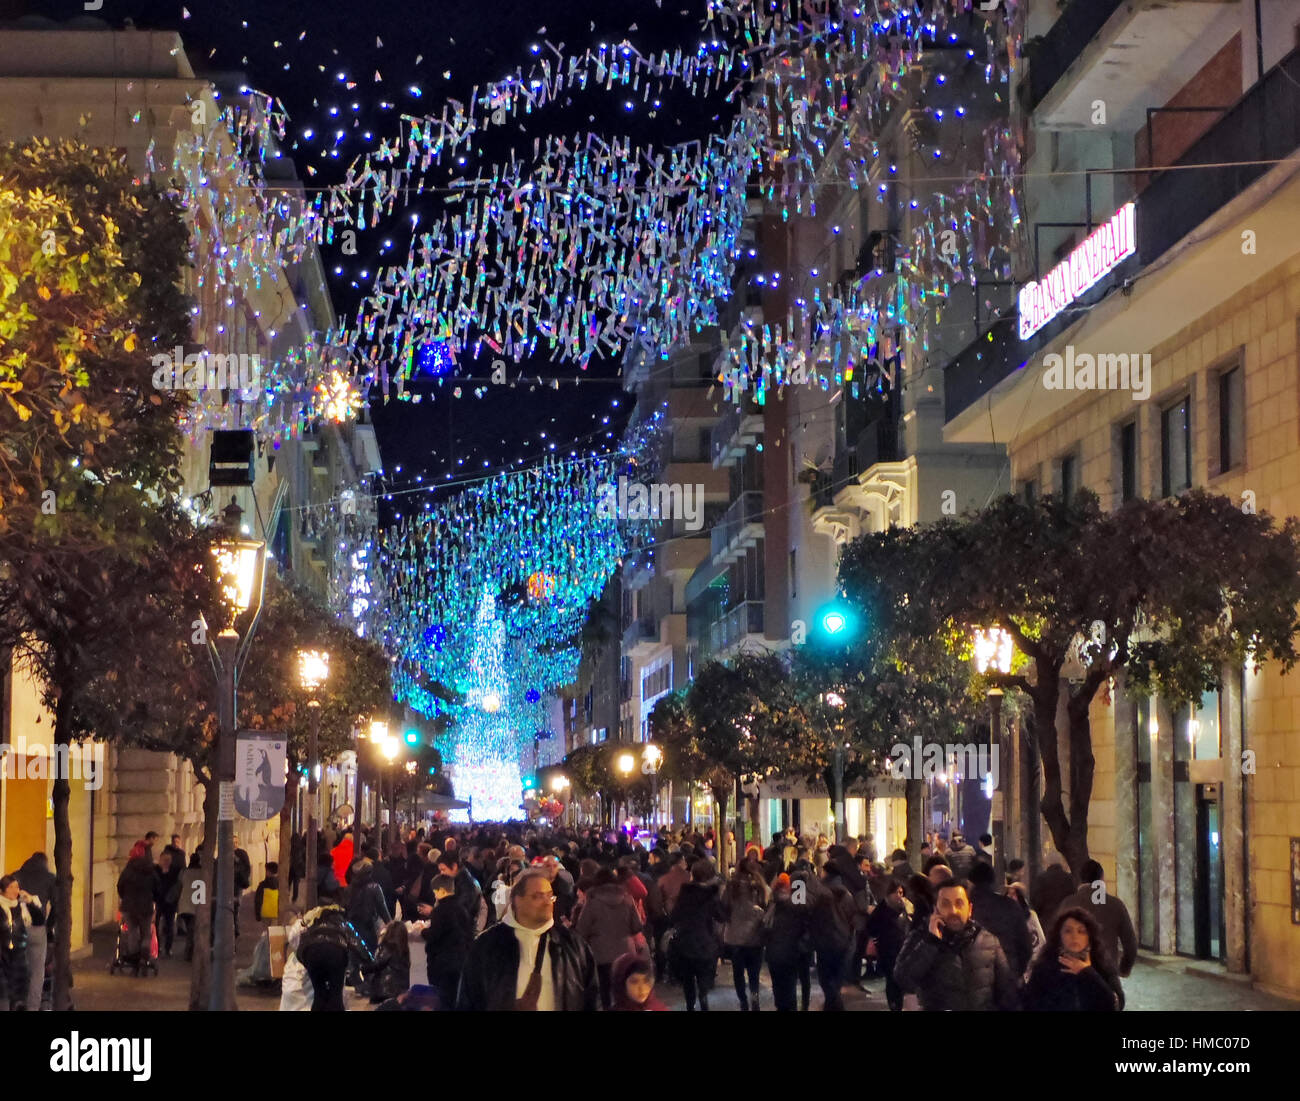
{"points": [[528, 1002]]}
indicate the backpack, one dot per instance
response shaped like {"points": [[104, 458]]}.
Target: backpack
{"points": [[270, 904]]}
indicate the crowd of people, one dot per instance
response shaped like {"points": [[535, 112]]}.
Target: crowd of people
{"points": [[515, 918]]}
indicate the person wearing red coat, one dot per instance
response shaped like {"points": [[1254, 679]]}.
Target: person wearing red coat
{"points": [[633, 980], [342, 857]]}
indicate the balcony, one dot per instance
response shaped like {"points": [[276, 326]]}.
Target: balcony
{"points": [[739, 428], [641, 635], [743, 621], [1132, 54], [741, 526], [1262, 126]]}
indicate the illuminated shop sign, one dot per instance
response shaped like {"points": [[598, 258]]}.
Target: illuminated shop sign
{"points": [[1104, 249]]}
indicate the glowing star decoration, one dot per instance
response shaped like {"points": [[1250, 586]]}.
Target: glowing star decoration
{"points": [[541, 586], [338, 398]]}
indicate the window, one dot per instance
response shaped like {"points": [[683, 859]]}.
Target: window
{"points": [[1069, 477], [1232, 419], [1176, 448], [1128, 459]]}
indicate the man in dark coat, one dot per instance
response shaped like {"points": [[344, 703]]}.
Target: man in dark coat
{"points": [[1050, 888], [953, 963], [1001, 916], [1113, 921], [468, 892], [527, 961]]}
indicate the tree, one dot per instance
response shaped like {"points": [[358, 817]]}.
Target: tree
{"points": [[1169, 593], [90, 265]]}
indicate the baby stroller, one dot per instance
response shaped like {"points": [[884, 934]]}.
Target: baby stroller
{"points": [[137, 950]]}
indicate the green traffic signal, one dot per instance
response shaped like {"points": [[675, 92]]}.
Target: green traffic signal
{"points": [[412, 737]]}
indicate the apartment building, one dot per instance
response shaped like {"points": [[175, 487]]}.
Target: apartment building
{"points": [[1163, 157]]}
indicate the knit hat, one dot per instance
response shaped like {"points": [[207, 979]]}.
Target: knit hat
{"points": [[782, 880]]}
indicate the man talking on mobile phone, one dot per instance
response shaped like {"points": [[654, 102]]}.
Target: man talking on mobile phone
{"points": [[955, 963]]}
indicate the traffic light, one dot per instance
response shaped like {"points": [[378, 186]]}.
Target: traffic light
{"points": [[412, 737], [836, 623]]}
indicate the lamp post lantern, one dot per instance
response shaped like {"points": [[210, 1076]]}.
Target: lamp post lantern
{"points": [[313, 671], [836, 701], [994, 650], [241, 568]]}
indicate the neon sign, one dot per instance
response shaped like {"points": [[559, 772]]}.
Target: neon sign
{"points": [[1101, 252]]}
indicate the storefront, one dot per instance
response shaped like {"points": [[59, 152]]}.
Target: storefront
{"points": [[874, 808]]}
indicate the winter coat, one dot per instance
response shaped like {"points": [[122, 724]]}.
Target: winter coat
{"points": [[964, 971], [961, 858], [670, 886], [185, 903], [609, 922], [329, 926], [368, 912], [37, 880], [785, 932], [698, 907], [1052, 989], [618, 983], [744, 903], [136, 888], [1005, 919], [15, 917], [490, 979], [383, 878], [168, 888], [389, 973], [447, 940], [889, 928], [1051, 887], [341, 854], [831, 915]]}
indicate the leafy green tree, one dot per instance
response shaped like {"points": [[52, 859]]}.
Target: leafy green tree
{"points": [[90, 267], [1169, 593]]}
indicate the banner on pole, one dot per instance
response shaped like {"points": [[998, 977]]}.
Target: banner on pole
{"points": [[260, 762]]}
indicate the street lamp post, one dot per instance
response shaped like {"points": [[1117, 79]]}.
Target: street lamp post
{"points": [[835, 700], [378, 736], [651, 757], [240, 565], [625, 764], [994, 649], [313, 670], [391, 748]]}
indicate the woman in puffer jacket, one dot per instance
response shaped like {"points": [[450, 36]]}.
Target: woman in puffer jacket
{"points": [[746, 899]]}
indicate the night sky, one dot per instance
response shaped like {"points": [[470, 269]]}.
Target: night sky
{"points": [[345, 72]]}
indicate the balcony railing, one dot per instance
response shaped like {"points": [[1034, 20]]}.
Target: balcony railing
{"points": [[1263, 127], [744, 510], [738, 427], [1051, 55], [744, 619], [644, 629], [1260, 129]]}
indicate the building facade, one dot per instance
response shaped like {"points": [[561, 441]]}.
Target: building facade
{"points": [[1181, 120]]}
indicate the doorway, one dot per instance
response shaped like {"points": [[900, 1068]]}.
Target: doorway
{"points": [[1209, 873]]}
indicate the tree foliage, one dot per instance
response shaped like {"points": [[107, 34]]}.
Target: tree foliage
{"points": [[1166, 592]]}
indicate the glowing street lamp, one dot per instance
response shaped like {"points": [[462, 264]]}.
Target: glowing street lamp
{"points": [[994, 651], [626, 763], [313, 672], [240, 565]]}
